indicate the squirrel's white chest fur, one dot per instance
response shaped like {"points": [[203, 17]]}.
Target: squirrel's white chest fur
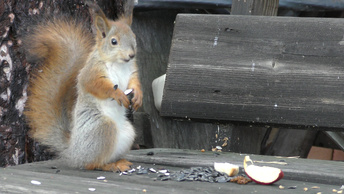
{"points": [[119, 74]]}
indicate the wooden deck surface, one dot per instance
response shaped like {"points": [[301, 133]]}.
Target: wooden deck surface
{"points": [[57, 178]]}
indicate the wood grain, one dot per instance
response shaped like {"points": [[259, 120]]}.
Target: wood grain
{"points": [[152, 57], [258, 69], [328, 172], [55, 177]]}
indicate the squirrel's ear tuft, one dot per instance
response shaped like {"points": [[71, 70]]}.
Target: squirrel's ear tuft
{"points": [[128, 7], [95, 10], [99, 19]]}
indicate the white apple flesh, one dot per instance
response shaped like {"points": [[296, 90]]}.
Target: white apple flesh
{"points": [[229, 169], [262, 174]]}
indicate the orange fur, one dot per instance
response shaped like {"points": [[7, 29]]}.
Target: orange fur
{"points": [[135, 84], [101, 87], [120, 165], [52, 89]]}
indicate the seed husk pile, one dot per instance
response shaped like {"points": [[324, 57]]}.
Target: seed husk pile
{"points": [[202, 174]]}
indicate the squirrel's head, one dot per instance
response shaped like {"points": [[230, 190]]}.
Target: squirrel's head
{"points": [[116, 41]]}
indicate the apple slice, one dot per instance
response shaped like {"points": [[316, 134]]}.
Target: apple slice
{"points": [[229, 169], [264, 175]]}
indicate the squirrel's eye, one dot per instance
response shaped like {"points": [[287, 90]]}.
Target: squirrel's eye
{"points": [[113, 41]]}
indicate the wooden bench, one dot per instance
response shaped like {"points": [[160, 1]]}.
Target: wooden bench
{"points": [[278, 71]]}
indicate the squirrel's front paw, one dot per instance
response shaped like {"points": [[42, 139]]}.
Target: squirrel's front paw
{"points": [[120, 97], [137, 99]]}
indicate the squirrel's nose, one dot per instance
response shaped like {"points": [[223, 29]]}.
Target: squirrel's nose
{"points": [[132, 55]]}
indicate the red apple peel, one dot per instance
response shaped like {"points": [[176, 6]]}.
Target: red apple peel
{"points": [[264, 175]]}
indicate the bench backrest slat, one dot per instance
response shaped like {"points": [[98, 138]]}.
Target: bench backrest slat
{"points": [[279, 70]]}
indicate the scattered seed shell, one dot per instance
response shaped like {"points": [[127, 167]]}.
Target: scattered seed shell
{"points": [[100, 177], [341, 191], [142, 171], [35, 182], [202, 150], [152, 170], [165, 178], [144, 190], [92, 189], [163, 171], [132, 170], [315, 187], [128, 91], [281, 187], [292, 187], [305, 189], [334, 190], [219, 147]]}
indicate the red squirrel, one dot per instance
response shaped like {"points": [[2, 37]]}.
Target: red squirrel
{"points": [[76, 103]]}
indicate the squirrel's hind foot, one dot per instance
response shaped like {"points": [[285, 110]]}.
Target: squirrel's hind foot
{"points": [[121, 165]]}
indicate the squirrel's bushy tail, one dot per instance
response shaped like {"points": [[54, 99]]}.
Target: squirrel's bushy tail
{"points": [[62, 47]]}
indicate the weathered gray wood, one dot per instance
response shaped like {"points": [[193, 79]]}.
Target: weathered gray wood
{"points": [[182, 4], [153, 53], [318, 171], [18, 180], [286, 142], [61, 179], [258, 69], [337, 137], [297, 5], [322, 140], [255, 7], [143, 130], [312, 5], [291, 142], [247, 139]]}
